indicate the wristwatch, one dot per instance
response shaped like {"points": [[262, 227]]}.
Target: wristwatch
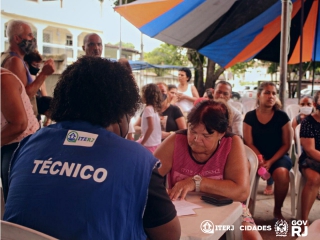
{"points": [[197, 179]]}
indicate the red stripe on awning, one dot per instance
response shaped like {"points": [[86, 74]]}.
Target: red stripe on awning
{"points": [[141, 14], [309, 31], [269, 32]]}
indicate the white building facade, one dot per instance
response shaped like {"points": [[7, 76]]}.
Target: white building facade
{"points": [[58, 25]]}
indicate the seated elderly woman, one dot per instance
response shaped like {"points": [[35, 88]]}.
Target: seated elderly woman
{"points": [[207, 158], [79, 178]]}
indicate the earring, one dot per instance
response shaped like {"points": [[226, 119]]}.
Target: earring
{"points": [[219, 141]]}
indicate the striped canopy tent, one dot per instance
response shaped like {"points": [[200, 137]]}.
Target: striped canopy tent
{"points": [[228, 31]]}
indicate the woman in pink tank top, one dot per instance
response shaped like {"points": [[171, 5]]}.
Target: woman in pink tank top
{"points": [[206, 158], [17, 120]]}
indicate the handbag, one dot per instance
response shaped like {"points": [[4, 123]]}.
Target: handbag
{"points": [[313, 164]]}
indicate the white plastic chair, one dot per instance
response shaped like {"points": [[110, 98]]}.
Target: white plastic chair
{"points": [[297, 137], [12, 231], [290, 101], [297, 155], [293, 110], [249, 105], [252, 157], [300, 181], [237, 105], [292, 191]]}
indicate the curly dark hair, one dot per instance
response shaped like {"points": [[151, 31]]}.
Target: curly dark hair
{"points": [[187, 71], [32, 57], [214, 115], [152, 95], [95, 90]]}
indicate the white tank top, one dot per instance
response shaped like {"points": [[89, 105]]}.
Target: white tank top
{"points": [[185, 104], [33, 124]]}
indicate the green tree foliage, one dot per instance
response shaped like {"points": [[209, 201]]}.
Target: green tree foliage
{"points": [[166, 54], [198, 61], [213, 71], [242, 67], [125, 45]]}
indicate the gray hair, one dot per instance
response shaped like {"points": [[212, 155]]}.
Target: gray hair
{"points": [[224, 83], [15, 27], [85, 39]]}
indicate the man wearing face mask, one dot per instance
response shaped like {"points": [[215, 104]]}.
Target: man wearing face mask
{"points": [[306, 108], [22, 42], [33, 61]]}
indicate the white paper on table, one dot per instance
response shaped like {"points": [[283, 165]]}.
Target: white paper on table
{"points": [[184, 207]]}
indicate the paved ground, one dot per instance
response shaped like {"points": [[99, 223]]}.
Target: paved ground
{"points": [[264, 208]]}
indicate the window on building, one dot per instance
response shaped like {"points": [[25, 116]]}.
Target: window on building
{"points": [[69, 40], [46, 37], [34, 34], [47, 50], [5, 30]]}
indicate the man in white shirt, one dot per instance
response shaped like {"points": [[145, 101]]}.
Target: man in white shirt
{"points": [[223, 90]]}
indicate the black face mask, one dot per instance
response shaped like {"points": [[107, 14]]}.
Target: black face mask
{"points": [[28, 46], [128, 122], [318, 106], [33, 70]]}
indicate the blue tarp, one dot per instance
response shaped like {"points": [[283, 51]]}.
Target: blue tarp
{"points": [[141, 65]]}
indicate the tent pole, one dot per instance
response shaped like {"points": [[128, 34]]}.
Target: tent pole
{"points": [[283, 49], [313, 75], [301, 45], [314, 55]]}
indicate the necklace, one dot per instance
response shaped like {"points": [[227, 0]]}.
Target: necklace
{"points": [[203, 162]]}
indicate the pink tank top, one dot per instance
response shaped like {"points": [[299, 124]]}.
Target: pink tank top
{"points": [[33, 124], [185, 166]]}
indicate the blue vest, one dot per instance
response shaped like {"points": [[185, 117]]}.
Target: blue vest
{"points": [[73, 180]]}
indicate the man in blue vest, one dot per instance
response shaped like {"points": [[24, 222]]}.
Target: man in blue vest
{"points": [[79, 178]]}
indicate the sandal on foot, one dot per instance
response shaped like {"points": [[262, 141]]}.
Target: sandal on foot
{"points": [[268, 191]]}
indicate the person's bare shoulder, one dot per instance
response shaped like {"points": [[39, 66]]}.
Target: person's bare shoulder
{"points": [[16, 66]]}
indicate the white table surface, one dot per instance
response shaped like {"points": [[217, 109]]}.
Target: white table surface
{"points": [[223, 215]]}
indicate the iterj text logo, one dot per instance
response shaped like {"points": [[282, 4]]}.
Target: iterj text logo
{"points": [[207, 226]]}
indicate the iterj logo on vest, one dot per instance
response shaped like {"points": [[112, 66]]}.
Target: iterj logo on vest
{"points": [[72, 136], [207, 226], [79, 138]]}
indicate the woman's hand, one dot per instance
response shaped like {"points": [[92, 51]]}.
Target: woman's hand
{"points": [[181, 189], [267, 165], [180, 96]]}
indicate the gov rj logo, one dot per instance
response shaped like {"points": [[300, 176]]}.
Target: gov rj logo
{"points": [[281, 228]]}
